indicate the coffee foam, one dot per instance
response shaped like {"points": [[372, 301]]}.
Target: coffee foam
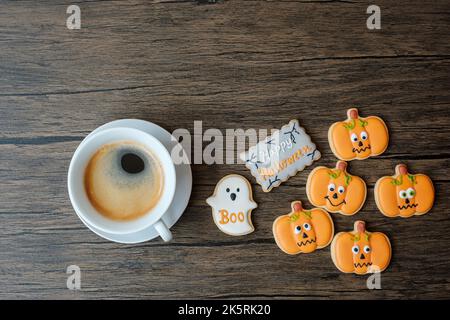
{"points": [[120, 195]]}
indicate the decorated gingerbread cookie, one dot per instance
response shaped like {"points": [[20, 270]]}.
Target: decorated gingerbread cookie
{"points": [[303, 231], [404, 194], [360, 251], [232, 204], [281, 155], [335, 190], [358, 138]]}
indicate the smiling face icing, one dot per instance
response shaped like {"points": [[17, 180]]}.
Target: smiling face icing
{"points": [[361, 251], [362, 255], [303, 231], [358, 138], [231, 204], [404, 194], [336, 190]]}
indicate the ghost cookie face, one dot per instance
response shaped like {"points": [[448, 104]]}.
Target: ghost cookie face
{"points": [[335, 190], [303, 231], [358, 138], [232, 204], [360, 251], [404, 194]]}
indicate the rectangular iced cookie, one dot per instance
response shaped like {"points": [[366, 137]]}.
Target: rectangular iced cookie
{"points": [[280, 156]]}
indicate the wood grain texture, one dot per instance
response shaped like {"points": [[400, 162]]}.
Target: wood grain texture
{"points": [[232, 64]]}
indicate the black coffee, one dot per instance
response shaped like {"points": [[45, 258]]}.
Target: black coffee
{"points": [[124, 180], [132, 163]]}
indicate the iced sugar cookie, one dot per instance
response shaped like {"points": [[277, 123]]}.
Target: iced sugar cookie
{"points": [[404, 194], [358, 138], [335, 190], [303, 231], [232, 204], [281, 155], [360, 251]]}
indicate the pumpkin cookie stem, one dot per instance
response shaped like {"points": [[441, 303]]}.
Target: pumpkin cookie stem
{"points": [[360, 226], [401, 169], [297, 206], [341, 165], [353, 113]]}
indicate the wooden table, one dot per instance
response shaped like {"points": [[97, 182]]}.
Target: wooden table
{"points": [[232, 64]]}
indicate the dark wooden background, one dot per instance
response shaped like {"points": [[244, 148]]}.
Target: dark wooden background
{"points": [[232, 64]]}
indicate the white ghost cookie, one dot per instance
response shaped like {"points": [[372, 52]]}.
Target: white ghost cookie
{"points": [[232, 204]]}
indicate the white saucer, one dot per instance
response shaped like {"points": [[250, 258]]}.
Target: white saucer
{"points": [[182, 192]]}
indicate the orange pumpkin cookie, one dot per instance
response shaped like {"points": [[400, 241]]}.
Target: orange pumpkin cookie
{"points": [[336, 190], [404, 194], [360, 251], [358, 138], [303, 231]]}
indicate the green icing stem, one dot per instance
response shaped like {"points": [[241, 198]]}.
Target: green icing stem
{"points": [[350, 125], [397, 182], [412, 178], [348, 179], [357, 237], [363, 123], [335, 174], [308, 214]]}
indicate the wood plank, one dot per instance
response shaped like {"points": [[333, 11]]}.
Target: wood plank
{"points": [[56, 229], [137, 44], [232, 64]]}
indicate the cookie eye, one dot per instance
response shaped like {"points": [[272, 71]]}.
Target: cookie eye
{"points": [[307, 226], [228, 189], [355, 249], [237, 190], [341, 189], [297, 229], [331, 187], [403, 194], [366, 249], [411, 193], [364, 135], [354, 137]]}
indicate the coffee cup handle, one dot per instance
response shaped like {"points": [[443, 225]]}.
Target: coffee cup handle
{"points": [[163, 231]]}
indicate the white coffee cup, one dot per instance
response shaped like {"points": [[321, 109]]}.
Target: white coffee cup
{"points": [[80, 201]]}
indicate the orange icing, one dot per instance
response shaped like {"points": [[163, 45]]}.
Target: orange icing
{"points": [[335, 190], [404, 194], [303, 231], [279, 166], [358, 138], [360, 251]]}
